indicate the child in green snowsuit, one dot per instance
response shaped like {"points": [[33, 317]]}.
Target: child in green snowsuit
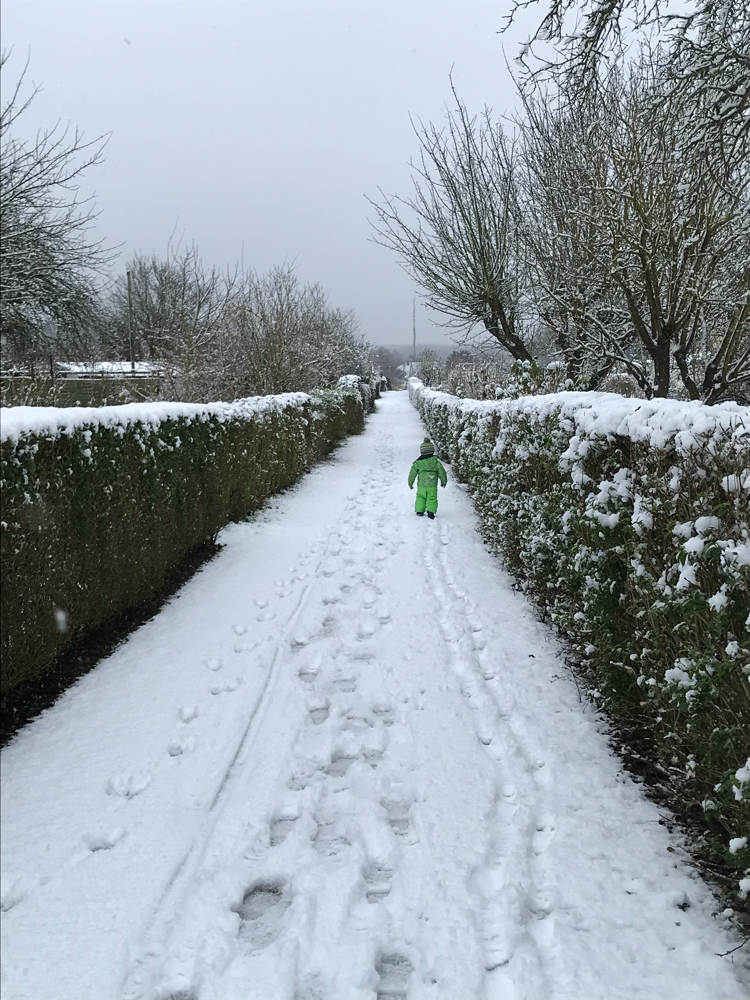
{"points": [[427, 469]]}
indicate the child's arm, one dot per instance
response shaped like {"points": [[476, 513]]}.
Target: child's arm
{"points": [[442, 473], [413, 474]]}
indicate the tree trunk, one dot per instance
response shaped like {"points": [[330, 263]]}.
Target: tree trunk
{"points": [[662, 361], [500, 329], [687, 381]]}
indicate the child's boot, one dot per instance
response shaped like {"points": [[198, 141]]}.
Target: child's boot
{"points": [[430, 515], [420, 513]]}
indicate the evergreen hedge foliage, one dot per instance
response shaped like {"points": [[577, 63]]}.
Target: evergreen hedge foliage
{"points": [[97, 512], [629, 524]]}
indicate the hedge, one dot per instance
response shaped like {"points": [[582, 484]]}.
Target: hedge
{"points": [[100, 504], [628, 522]]}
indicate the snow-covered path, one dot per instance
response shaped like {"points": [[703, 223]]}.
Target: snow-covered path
{"points": [[346, 762]]}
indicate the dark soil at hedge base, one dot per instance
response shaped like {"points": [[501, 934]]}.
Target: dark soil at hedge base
{"points": [[32, 697]]}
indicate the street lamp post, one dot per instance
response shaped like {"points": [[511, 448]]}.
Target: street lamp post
{"points": [[130, 326]]}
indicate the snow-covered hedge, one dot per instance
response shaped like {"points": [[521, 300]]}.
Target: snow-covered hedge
{"points": [[629, 521], [100, 504]]}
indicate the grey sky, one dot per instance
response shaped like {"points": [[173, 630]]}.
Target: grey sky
{"points": [[257, 128]]}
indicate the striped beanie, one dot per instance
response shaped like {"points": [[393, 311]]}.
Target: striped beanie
{"points": [[427, 447]]}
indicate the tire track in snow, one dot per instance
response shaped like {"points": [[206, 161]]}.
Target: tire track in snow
{"points": [[512, 884], [141, 975]]}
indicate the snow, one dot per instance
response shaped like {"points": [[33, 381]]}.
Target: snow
{"points": [[346, 761], [600, 414], [53, 421]]}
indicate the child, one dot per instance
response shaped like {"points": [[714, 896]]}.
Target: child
{"points": [[427, 469]]}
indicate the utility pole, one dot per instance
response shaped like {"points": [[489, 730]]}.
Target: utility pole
{"points": [[414, 330], [130, 326]]}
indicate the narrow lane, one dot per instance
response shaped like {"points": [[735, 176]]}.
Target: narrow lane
{"points": [[346, 762]]}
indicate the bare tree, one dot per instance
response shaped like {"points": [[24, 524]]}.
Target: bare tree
{"points": [[178, 307], [639, 236], [280, 336], [562, 233], [706, 47], [457, 235], [47, 254]]}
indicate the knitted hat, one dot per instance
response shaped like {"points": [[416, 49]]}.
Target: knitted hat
{"points": [[427, 447]]}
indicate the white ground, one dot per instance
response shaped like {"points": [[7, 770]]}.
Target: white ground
{"points": [[346, 762]]}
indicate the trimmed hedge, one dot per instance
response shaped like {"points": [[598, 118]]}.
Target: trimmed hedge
{"points": [[629, 523], [99, 505]]}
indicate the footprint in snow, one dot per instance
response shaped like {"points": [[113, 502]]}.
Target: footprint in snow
{"points": [[543, 834], [330, 594], [339, 765], [227, 686], [397, 812], [377, 882], [280, 829], [394, 971], [345, 684], [104, 840], [373, 756], [179, 747], [542, 774], [213, 665], [239, 629], [320, 712], [329, 840], [128, 785], [261, 912], [305, 771], [187, 713], [369, 598], [358, 721], [366, 628], [384, 712], [360, 652]]}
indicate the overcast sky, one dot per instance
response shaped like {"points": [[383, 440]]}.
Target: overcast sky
{"points": [[256, 129]]}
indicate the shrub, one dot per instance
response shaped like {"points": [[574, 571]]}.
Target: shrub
{"points": [[99, 505], [628, 522]]}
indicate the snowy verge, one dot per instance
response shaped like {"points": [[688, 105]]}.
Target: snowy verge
{"points": [[628, 522], [101, 503]]}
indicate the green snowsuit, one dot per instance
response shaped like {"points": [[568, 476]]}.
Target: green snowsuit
{"points": [[427, 471]]}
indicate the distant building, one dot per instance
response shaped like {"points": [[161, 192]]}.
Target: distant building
{"points": [[108, 369]]}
